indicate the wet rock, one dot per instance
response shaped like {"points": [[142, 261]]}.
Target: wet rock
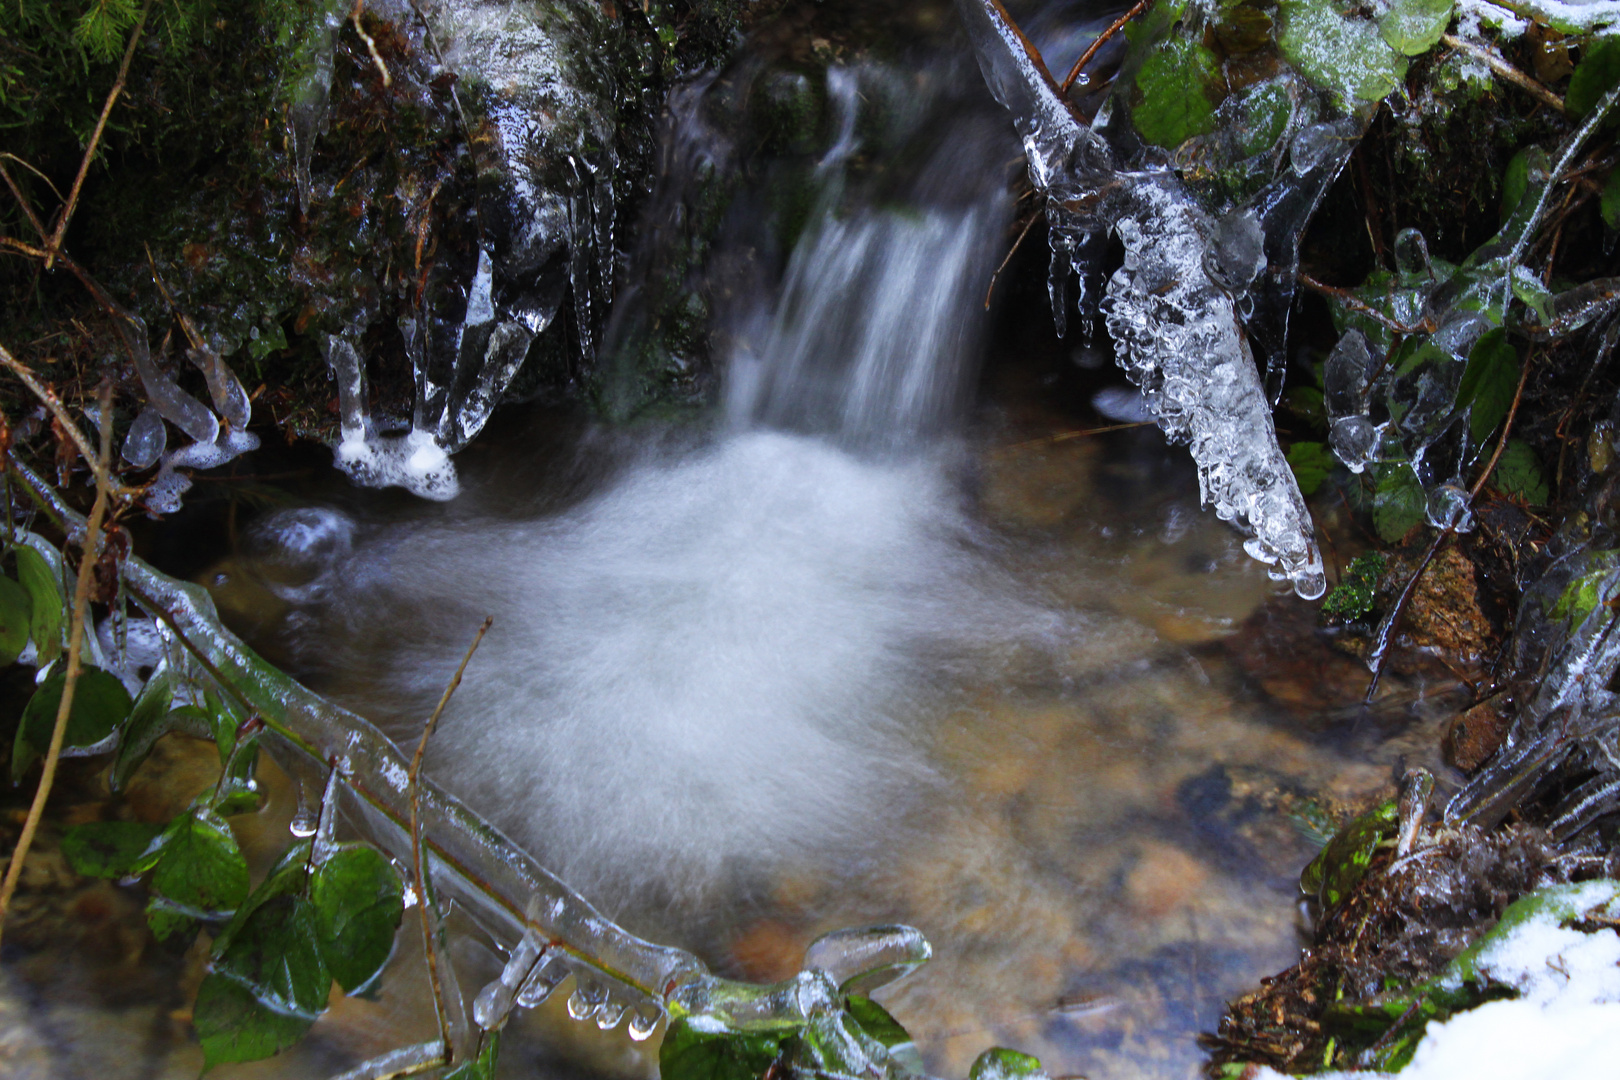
{"points": [[1474, 735]]}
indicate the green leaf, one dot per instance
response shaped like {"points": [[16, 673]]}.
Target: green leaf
{"points": [[288, 877], [234, 1025], [1413, 26], [1581, 597], [201, 868], [1610, 203], [1306, 403], [875, 1020], [1488, 383], [1343, 55], [45, 591], [1000, 1063], [275, 955], [481, 1067], [1398, 500], [111, 849], [689, 1053], [16, 615], [1515, 182], [1174, 82], [1344, 862], [358, 901], [1312, 463], [100, 704], [1519, 474], [148, 720], [1596, 75], [167, 920]]}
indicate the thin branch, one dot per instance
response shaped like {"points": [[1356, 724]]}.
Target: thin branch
{"points": [[1507, 428], [81, 603], [1505, 71], [64, 420], [413, 785], [1386, 629], [1065, 436], [22, 201], [1114, 28], [55, 243], [371, 46], [1010, 253], [1360, 306]]}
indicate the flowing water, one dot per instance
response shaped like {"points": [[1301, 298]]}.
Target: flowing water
{"points": [[871, 645]]}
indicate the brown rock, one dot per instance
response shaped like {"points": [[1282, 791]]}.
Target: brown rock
{"points": [[1473, 736]]}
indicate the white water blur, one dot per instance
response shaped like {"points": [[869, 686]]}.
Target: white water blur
{"points": [[719, 662]]}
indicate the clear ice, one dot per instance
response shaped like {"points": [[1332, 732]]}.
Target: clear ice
{"points": [[1170, 306]]}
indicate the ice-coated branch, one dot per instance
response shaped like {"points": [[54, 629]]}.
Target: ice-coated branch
{"points": [[549, 931], [1170, 307]]}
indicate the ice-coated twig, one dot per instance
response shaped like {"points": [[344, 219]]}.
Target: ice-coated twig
{"points": [[1170, 306], [500, 887]]}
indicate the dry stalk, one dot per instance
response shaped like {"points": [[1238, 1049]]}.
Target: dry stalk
{"points": [[55, 243], [418, 868], [1085, 57], [81, 603], [98, 464]]}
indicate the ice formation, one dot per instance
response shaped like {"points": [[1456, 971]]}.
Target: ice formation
{"points": [[1171, 307], [547, 210], [1564, 1023]]}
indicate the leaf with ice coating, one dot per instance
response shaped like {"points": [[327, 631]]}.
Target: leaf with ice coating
{"points": [[1339, 53]]}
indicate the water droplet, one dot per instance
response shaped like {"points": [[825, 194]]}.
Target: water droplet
{"points": [[644, 1021], [1355, 441], [1448, 508], [587, 998], [609, 1015]]}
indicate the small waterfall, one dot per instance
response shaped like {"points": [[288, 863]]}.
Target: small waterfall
{"points": [[873, 336], [718, 662]]}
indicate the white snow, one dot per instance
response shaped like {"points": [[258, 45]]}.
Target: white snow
{"points": [[1564, 1026]]}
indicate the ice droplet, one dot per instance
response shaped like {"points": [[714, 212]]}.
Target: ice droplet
{"points": [[588, 996], [495, 1001], [548, 974], [868, 957], [1344, 377], [1412, 253], [1236, 252], [146, 439], [609, 1015], [1448, 508], [644, 1020], [1354, 440]]}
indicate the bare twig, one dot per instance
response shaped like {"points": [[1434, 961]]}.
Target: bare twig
{"points": [[22, 201], [1010, 253], [98, 466], [55, 243], [1505, 71], [81, 603], [1507, 428], [1114, 28], [413, 785], [1360, 306], [1065, 436], [371, 46], [1386, 629]]}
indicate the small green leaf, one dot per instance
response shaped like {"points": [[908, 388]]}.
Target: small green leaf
{"points": [[1174, 82], [358, 901], [167, 920], [1581, 597], [1398, 500], [1344, 55], [1000, 1063], [1595, 75], [201, 868], [481, 1067], [1488, 383], [45, 591], [149, 719], [1515, 182], [1306, 403], [1353, 596], [288, 877], [1312, 463], [275, 955], [234, 1025], [16, 615], [1610, 203], [875, 1020], [111, 849], [1413, 26], [1519, 474], [690, 1053], [100, 704]]}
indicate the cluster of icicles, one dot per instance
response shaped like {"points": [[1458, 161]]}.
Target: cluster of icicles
{"points": [[1172, 307]]}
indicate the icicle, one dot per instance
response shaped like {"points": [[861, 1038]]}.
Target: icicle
{"points": [[495, 1001], [146, 440], [548, 974]]}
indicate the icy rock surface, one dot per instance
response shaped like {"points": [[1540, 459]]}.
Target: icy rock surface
{"points": [[1174, 324], [543, 75]]}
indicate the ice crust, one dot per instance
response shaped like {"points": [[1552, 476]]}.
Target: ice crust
{"points": [[1174, 325], [543, 75]]}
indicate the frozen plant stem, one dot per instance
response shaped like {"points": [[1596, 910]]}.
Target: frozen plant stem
{"points": [[429, 938], [55, 242], [1115, 27], [81, 603]]}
